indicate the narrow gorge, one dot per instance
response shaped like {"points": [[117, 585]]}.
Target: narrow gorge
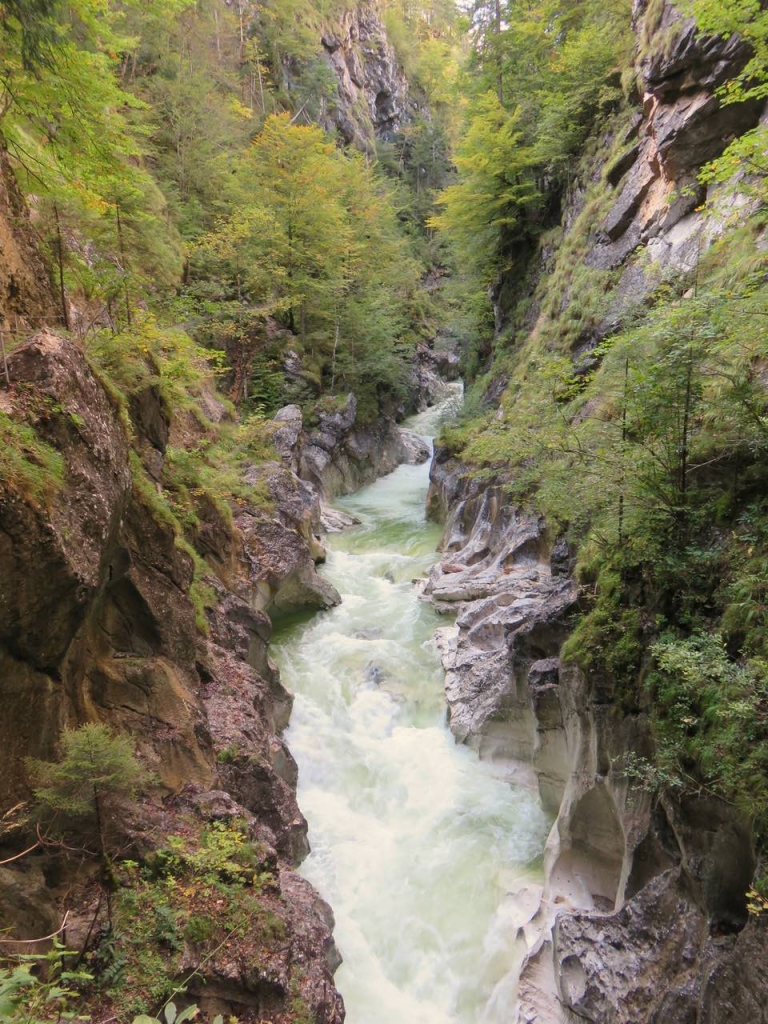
{"points": [[383, 440]]}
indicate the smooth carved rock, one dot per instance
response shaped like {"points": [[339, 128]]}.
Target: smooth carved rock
{"points": [[280, 545], [341, 455], [416, 448], [717, 856], [657, 962], [510, 614], [287, 435], [333, 520]]}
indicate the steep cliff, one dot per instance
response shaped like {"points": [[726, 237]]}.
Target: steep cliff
{"points": [[98, 626], [642, 916], [374, 98], [25, 291]]}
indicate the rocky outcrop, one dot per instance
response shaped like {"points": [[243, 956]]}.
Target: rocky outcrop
{"points": [[281, 544], [26, 295], [641, 912], [511, 615], [97, 625], [658, 961], [373, 91], [340, 454], [434, 369], [654, 227], [684, 124]]}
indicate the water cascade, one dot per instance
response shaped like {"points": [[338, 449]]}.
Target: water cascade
{"points": [[415, 842]]}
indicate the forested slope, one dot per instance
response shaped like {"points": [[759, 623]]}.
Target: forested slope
{"points": [[611, 205], [212, 210]]}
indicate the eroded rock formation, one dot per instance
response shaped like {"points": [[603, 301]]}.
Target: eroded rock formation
{"points": [[642, 915], [340, 454], [373, 92], [96, 625]]}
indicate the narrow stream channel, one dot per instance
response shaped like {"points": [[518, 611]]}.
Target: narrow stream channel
{"points": [[415, 842]]}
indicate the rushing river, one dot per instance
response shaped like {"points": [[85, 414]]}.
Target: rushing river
{"points": [[415, 843]]}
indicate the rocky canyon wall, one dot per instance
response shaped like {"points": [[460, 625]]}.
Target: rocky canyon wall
{"points": [[97, 625], [374, 96], [642, 917]]}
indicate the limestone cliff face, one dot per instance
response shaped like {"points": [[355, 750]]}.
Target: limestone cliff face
{"points": [[341, 454], [641, 918], [96, 625], [373, 92]]}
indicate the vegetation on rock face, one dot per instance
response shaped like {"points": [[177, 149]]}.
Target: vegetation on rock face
{"points": [[637, 428], [78, 791], [202, 224], [748, 19], [545, 72], [205, 229], [202, 897], [27, 465]]}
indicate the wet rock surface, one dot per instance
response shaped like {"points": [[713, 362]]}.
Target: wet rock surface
{"points": [[340, 454]]}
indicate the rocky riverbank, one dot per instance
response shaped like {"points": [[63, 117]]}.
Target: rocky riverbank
{"points": [[641, 913], [642, 916], [97, 625]]}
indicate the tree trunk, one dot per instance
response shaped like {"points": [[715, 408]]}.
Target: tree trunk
{"points": [[336, 334], [122, 262], [623, 450], [497, 48], [5, 358], [60, 256]]}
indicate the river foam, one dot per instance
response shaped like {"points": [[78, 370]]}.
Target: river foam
{"points": [[415, 843]]}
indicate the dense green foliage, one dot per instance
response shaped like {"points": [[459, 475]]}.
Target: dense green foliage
{"points": [[175, 166], [648, 448], [313, 240], [36, 986], [77, 792], [544, 73]]}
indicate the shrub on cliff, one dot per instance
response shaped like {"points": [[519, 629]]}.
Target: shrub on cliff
{"points": [[78, 792]]}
